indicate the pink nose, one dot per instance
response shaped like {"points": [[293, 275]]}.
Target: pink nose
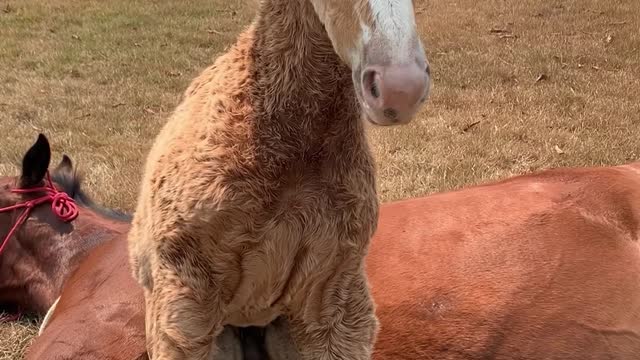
{"points": [[393, 94]]}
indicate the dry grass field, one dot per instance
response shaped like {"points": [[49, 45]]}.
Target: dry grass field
{"points": [[518, 86]]}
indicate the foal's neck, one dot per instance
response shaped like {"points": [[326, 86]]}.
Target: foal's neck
{"points": [[301, 83]]}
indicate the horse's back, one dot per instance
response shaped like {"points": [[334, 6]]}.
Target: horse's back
{"points": [[540, 266], [100, 314]]}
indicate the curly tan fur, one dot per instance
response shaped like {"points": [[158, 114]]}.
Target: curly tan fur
{"points": [[259, 200]]}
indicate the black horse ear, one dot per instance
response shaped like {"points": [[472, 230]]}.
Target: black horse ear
{"points": [[36, 162]]}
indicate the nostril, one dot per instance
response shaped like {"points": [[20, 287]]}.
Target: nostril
{"points": [[370, 83], [428, 70], [374, 90]]}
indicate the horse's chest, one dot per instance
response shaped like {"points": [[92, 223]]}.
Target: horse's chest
{"points": [[318, 208], [308, 229]]}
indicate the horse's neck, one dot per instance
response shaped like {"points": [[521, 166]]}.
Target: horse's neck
{"points": [[33, 275], [89, 231], [300, 82]]}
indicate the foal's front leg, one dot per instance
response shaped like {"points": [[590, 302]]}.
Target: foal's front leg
{"points": [[339, 323], [184, 313]]}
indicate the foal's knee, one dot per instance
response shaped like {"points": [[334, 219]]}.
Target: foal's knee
{"points": [[345, 327], [180, 320]]}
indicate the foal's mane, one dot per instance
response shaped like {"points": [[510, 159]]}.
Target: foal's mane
{"points": [[71, 183]]}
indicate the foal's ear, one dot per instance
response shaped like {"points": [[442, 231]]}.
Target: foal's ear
{"points": [[35, 162]]}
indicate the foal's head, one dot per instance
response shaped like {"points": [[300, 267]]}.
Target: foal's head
{"points": [[378, 39], [41, 251]]}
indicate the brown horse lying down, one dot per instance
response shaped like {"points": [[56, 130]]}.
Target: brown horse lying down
{"points": [[542, 266]]}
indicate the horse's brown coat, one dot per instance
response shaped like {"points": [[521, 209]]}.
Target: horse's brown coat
{"points": [[104, 320], [542, 266]]}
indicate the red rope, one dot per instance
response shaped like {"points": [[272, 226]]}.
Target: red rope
{"points": [[62, 206]]}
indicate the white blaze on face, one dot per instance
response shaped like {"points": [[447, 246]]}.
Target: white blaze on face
{"points": [[396, 23], [355, 54]]}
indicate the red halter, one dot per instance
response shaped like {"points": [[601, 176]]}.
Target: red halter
{"points": [[62, 206]]}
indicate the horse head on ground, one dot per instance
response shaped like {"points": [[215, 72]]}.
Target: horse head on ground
{"points": [[47, 225]]}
